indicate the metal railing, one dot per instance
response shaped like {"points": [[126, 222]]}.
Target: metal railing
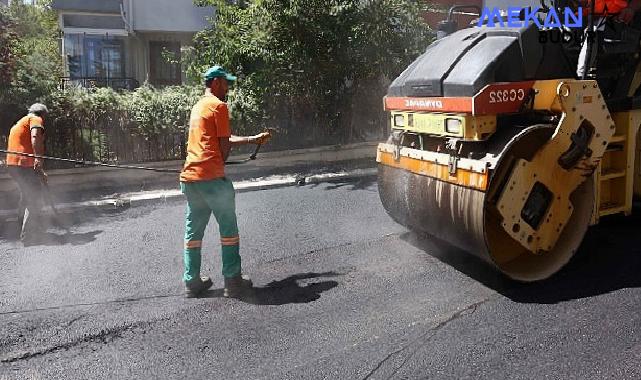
{"points": [[115, 142], [95, 82]]}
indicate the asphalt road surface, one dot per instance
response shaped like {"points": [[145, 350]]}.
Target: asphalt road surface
{"points": [[343, 293]]}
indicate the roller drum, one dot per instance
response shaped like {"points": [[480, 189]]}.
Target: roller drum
{"points": [[450, 212], [467, 218]]}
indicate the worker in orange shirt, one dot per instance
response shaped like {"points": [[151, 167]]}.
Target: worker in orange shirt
{"points": [[622, 11], [208, 191], [27, 136]]}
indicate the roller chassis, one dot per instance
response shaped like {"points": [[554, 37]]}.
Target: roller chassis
{"points": [[523, 196]]}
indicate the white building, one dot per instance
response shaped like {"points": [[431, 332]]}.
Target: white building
{"points": [[122, 43]]}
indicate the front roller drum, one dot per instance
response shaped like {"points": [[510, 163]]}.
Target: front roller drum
{"points": [[468, 219]]}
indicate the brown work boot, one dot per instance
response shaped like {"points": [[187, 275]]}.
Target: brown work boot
{"points": [[195, 287], [238, 287]]}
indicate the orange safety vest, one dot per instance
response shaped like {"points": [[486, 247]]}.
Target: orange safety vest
{"points": [[20, 141]]}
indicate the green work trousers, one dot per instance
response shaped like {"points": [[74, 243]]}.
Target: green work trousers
{"points": [[204, 198]]}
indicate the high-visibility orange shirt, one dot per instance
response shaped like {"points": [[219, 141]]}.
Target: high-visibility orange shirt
{"points": [[20, 140], [605, 7], [209, 121]]}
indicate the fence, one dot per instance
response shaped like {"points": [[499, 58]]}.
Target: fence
{"points": [[95, 82], [112, 134], [116, 142]]}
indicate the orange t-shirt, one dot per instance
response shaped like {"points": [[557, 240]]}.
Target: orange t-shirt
{"points": [[20, 140], [605, 7], [209, 121]]}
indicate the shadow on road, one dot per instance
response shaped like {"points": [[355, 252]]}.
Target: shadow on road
{"points": [[288, 290], [52, 239], [10, 228], [609, 259], [10, 231]]}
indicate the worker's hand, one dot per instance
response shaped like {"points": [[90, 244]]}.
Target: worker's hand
{"points": [[38, 165], [626, 15], [262, 138]]}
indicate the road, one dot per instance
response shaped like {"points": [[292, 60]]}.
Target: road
{"points": [[343, 293]]}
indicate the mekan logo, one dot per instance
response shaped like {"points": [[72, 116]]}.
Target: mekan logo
{"points": [[518, 17]]}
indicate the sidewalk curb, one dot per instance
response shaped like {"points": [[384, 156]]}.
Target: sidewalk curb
{"points": [[87, 183], [147, 197], [357, 151]]}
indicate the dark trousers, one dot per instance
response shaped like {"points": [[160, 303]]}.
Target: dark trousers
{"points": [[31, 199]]}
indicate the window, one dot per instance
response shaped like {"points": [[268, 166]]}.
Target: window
{"points": [[94, 56], [164, 63]]}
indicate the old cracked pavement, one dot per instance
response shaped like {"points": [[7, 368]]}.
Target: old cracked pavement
{"points": [[343, 293]]}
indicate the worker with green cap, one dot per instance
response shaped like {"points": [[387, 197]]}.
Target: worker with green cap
{"points": [[208, 191]]}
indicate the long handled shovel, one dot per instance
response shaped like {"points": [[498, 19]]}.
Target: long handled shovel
{"points": [[47, 197]]}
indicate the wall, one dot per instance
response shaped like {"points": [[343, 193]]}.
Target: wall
{"points": [[138, 51], [148, 20], [169, 15]]}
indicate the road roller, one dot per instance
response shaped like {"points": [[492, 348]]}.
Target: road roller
{"points": [[498, 148]]}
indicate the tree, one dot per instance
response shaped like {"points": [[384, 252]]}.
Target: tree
{"points": [[8, 43], [34, 64], [304, 63], [39, 64]]}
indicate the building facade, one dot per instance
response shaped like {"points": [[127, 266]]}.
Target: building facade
{"points": [[123, 43]]}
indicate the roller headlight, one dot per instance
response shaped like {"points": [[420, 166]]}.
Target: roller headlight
{"points": [[453, 126], [399, 120]]}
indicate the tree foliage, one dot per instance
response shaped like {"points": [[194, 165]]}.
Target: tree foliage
{"points": [[103, 124], [29, 37], [314, 69], [144, 111], [8, 42], [309, 59]]}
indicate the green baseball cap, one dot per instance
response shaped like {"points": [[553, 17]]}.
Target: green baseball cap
{"points": [[218, 72]]}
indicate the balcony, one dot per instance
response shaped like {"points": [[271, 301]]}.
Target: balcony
{"points": [[92, 6], [93, 82]]}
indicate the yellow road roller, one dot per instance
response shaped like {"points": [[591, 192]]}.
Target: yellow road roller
{"points": [[497, 148]]}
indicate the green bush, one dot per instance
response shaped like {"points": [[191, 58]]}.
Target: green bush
{"points": [[314, 70], [104, 124], [144, 111], [311, 66]]}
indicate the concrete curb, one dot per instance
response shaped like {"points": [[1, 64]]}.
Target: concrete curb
{"points": [[148, 197], [325, 152], [69, 185]]}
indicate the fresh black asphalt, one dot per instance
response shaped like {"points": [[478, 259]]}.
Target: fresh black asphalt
{"points": [[343, 293]]}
